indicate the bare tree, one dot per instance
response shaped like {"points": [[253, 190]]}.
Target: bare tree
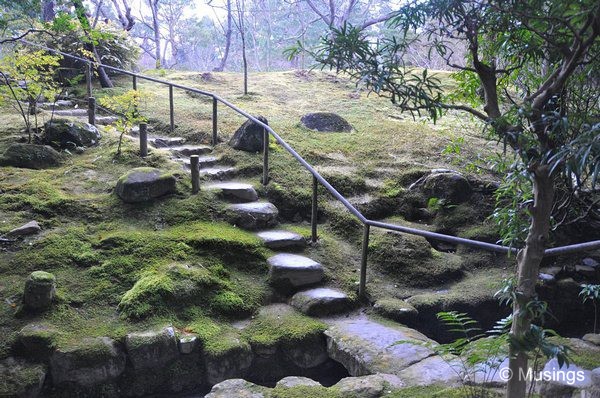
{"points": [[228, 30], [336, 13], [125, 18], [240, 23], [48, 12]]}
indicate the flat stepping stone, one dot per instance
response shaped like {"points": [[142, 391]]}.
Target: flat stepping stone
{"points": [[321, 301], [189, 150], [282, 239], [253, 216], [70, 112], [292, 270], [235, 190], [106, 120], [166, 142], [218, 173], [365, 346], [204, 162]]}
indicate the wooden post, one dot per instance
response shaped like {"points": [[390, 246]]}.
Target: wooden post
{"points": [[171, 108], [314, 212], [265, 179], [143, 140], [92, 110], [363, 264], [88, 79], [134, 82], [195, 164], [214, 120]]}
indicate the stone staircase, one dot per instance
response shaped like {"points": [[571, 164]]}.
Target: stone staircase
{"points": [[294, 276]]}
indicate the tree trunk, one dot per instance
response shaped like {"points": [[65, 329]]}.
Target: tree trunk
{"points": [[48, 13], [245, 62], [528, 263], [155, 26], [228, 32]]}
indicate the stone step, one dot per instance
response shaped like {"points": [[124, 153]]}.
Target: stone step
{"points": [[293, 271], [282, 239], [254, 215], [234, 190], [321, 301], [70, 112], [218, 172], [204, 161], [106, 120], [166, 142], [365, 346], [55, 105], [189, 150]]}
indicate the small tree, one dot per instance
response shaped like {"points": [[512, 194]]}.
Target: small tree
{"points": [[531, 76], [591, 293], [127, 106], [27, 78]]}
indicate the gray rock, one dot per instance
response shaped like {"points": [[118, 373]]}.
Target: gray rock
{"points": [[187, 343], [69, 134], [365, 347], [234, 190], [282, 239], [230, 363], [218, 173], [106, 120], [152, 349], [398, 310], [249, 137], [554, 270], [371, 386], [30, 156], [206, 161], [291, 270], [189, 150], [321, 301], [38, 341], [431, 370], [31, 228], [590, 262], [452, 187], [238, 388], [40, 289], [71, 112], [165, 142], [55, 105], [143, 184], [546, 278], [592, 338], [293, 381], [309, 353], [325, 122], [253, 216], [563, 381], [91, 362], [586, 271], [21, 379]]}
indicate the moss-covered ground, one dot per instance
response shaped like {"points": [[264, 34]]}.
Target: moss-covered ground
{"points": [[122, 267]]}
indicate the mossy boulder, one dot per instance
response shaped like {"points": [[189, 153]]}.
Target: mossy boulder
{"points": [[249, 137], [231, 358], [397, 310], [450, 186], [68, 134], [40, 289], [87, 363], [30, 156], [325, 122], [21, 379], [38, 341], [143, 184], [152, 349]]}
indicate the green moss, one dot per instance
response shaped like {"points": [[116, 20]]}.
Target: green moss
{"points": [[42, 277], [16, 378], [280, 325], [582, 354], [88, 352], [450, 219], [444, 392], [487, 232], [304, 392], [347, 185], [216, 339], [227, 303]]}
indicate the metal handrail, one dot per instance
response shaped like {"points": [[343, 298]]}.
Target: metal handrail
{"points": [[317, 178]]}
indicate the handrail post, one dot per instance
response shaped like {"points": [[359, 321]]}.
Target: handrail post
{"points": [[134, 79], [195, 165], [143, 140], [265, 178], [214, 121], [314, 212], [92, 111], [88, 78], [171, 108], [363, 263]]}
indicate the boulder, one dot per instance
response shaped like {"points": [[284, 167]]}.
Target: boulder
{"points": [[28, 156], [325, 122], [291, 270], [152, 349], [397, 310], [293, 381], [253, 215], [40, 288], [431, 370], [371, 386], [563, 381], [249, 137], [90, 362], [145, 183], [593, 338], [238, 388], [590, 262], [308, 353], [69, 134], [321, 301], [236, 191], [228, 363], [31, 228], [38, 341], [282, 240], [187, 343], [21, 379], [452, 187]]}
